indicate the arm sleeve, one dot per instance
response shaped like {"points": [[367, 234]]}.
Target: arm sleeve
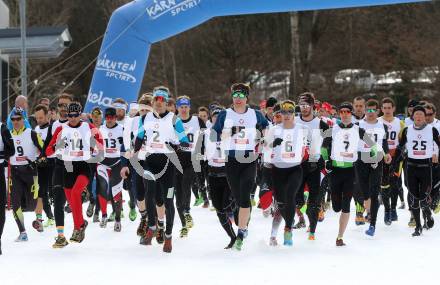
{"points": [[8, 142], [38, 142], [262, 122], [401, 147], [180, 131], [48, 138], [324, 127], [140, 136], [366, 138], [326, 147], [141, 129], [97, 136], [202, 136], [402, 126], [270, 137], [50, 149], [435, 136], [218, 127], [385, 141]]}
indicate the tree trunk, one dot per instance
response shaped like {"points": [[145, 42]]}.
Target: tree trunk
{"points": [[310, 48], [294, 53]]}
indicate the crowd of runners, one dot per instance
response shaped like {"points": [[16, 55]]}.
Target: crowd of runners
{"points": [[291, 160]]}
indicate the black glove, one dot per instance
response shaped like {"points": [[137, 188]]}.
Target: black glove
{"points": [[173, 146], [184, 146], [321, 163], [41, 162], [328, 166], [277, 142], [234, 130]]}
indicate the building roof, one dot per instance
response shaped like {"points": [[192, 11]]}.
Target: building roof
{"points": [[31, 32]]}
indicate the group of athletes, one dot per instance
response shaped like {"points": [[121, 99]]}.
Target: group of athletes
{"points": [[302, 156]]}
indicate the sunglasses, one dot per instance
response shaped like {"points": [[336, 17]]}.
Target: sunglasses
{"points": [[16, 119], [371, 110], [287, 112], [110, 116], [62, 105], [344, 112], [73, 115], [304, 106], [429, 114], [238, 95], [159, 99], [97, 113]]}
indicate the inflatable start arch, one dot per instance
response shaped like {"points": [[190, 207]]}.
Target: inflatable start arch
{"points": [[134, 27]]}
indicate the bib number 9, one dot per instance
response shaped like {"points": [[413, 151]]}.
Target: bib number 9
{"points": [[20, 151]]}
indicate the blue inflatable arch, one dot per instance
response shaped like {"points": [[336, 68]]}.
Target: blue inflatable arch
{"points": [[134, 27]]}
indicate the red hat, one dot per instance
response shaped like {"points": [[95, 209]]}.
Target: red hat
{"points": [[327, 106]]}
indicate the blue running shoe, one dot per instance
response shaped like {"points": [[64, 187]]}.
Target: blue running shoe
{"points": [[371, 230]]}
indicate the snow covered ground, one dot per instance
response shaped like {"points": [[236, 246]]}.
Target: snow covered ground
{"points": [[106, 257]]}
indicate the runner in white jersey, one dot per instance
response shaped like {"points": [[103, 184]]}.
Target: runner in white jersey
{"points": [[136, 180], [391, 181], [340, 151], [313, 166], [239, 127], [59, 197], [109, 183], [325, 114], [126, 122], [7, 150], [163, 133], [267, 202], [76, 141], [24, 193], [418, 140], [221, 195], [369, 171], [194, 128], [289, 142], [45, 171], [431, 119]]}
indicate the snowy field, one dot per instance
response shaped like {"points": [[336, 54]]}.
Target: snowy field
{"points": [[106, 257]]}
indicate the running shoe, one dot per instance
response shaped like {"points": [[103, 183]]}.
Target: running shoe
{"points": [[22, 237], [288, 237], [38, 225], [132, 214], [60, 242], [188, 220], [167, 246], [117, 227], [49, 223], [184, 232]]}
